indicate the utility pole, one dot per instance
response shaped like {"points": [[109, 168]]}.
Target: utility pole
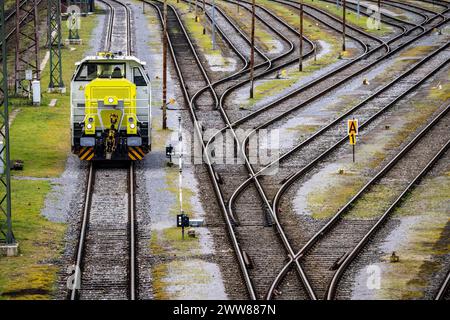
{"points": [[343, 25], [213, 31], [252, 51], [54, 43], [204, 18], [379, 14], [164, 93], [26, 46], [300, 65], [6, 234], [196, 11]]}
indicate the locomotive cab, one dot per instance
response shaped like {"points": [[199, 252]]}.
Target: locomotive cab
{"points": [[110, 108]]}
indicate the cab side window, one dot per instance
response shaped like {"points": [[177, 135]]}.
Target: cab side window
{"points": [[88, 72], [138, 78]]}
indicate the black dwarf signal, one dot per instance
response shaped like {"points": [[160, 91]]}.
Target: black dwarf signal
{"points": [[183, 222], [352, 130]]}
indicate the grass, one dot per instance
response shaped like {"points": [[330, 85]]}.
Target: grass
{"points": [[362, 22], [305, 128], [33, 137], [195, 29], [417, 51], [263, 38], [172, 174], [40, 137], [323, 203], [427, 238]]}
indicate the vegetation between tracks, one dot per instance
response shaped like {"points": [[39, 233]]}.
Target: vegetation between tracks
{"points": [[362, 22], [263, 38], [40, 137], [425, 241], [371, 152], [327, 55], [195, 30]]}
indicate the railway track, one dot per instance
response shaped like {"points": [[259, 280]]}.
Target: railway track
{"points": [[240, 254], [442, 147], [320, 252], [245, 185], [105, 262], [213, 173], [9, 18], [444, 289], [283, 105], [237, 235]]}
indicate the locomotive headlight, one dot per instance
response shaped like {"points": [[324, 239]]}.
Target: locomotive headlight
{"points": [[131, 128], [90, 124], [111, 100]]}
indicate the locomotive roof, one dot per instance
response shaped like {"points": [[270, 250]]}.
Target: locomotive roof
{"points": [[115, 58]]}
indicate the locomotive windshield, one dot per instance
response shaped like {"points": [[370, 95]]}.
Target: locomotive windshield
{"points": [[92, 70]]}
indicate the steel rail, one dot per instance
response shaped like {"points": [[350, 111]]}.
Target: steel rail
{"points": [[443, 288], [290, 180], [331, 291], [325, 91], [132, 234], [108, 38], [131, 183], [129, 38], [274, 217], [384, 17], [287, 154], [280, 230], [82, 238], [212, 173], [353, 6], [284, 114], [198, 131], [407, 6], [318, 80]]}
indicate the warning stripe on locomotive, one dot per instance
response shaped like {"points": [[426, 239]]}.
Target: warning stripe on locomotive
{"points": [[86, 153], [135, 153]]}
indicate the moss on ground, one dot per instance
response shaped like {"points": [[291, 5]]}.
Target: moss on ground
{"points": [[305, 129], [426, 239], [291, 76], [33, 137], [32, 274], [417, 51], [324, 202], [263, 38], [195, 29], [40, 137]]}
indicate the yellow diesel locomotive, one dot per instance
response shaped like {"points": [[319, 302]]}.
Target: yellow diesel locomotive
{"points": [[110, 108]]}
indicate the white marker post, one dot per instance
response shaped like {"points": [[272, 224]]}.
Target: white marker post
{"points": [[213, 35], [180, 175]]}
